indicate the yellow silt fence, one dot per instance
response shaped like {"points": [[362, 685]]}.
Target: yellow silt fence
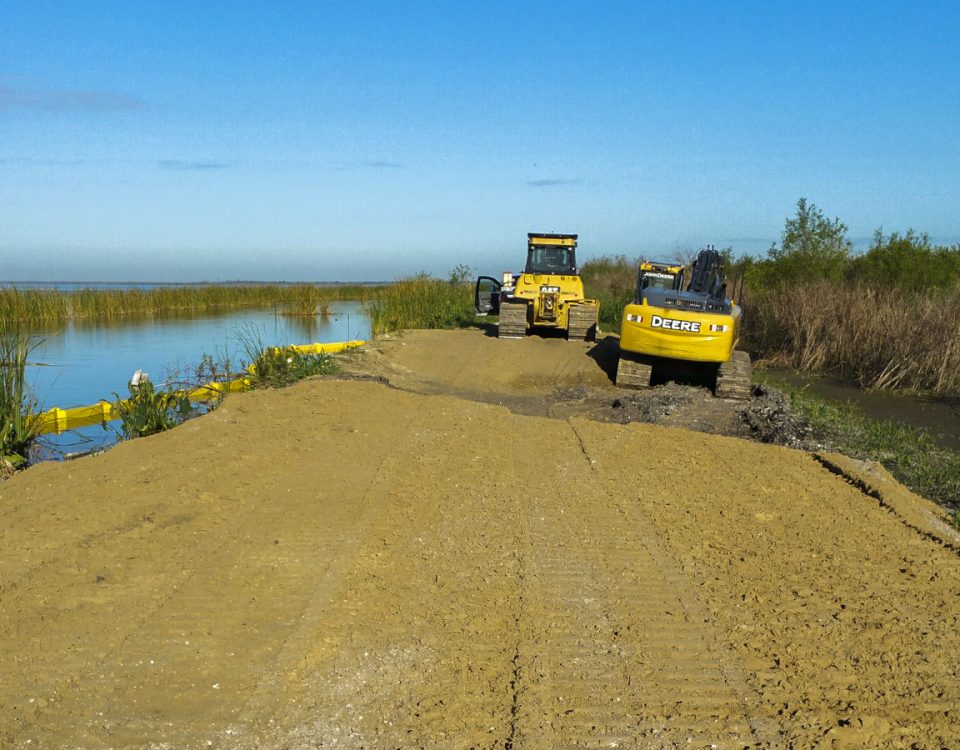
{"points": [[57, 420]]}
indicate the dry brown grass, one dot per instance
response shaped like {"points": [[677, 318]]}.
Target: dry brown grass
{"points": [[875, 336]]}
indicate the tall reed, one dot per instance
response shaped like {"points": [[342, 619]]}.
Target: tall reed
{"points": [[422, 301], [19, 414], [44, 306], [876, 336]]}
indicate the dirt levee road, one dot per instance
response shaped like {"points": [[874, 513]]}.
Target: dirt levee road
{"points": [[355, 564]]}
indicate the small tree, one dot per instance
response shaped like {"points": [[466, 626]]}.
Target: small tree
{"points": [[812, 247]]}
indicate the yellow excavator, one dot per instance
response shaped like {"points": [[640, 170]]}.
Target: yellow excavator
{"points": [[547, 295], [697, 326]]}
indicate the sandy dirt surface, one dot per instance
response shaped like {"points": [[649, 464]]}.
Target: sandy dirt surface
{"points": [[453, 556]]}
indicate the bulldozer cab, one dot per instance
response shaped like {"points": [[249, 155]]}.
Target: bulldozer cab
{"points": [[552, 254]]}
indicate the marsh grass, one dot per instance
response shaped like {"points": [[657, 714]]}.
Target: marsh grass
{"points": [[306, 300], [32, 306], [19, 412], [45, 306], [878, 337], [423, 301], [280, 366], [909, 453]]}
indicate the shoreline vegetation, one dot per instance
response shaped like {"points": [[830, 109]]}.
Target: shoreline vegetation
{"points": [[37, 306], [424, 301], [148, 407], [19, 410]]}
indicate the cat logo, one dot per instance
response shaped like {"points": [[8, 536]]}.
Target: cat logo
{"points": [[675, 325]]}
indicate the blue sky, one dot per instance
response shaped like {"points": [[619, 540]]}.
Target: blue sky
{"points": [[366, 141]]}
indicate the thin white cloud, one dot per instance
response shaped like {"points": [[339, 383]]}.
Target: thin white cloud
{"points": [[371, 164], [61, 100], [187, 166], [552, 182]]}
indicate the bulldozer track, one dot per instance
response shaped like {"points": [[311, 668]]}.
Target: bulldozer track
{"points": [[633, 374], [582, 322], [594, 672], [513, 320], [733, 377]]}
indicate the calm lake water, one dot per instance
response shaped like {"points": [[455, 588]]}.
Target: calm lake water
{"points": [[85, 361]]}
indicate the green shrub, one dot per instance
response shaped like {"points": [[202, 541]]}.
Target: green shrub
{"points": [[612, 280], [909, 263], [148, 410]]}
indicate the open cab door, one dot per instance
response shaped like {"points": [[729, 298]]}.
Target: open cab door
{"points": [[486, 296]]}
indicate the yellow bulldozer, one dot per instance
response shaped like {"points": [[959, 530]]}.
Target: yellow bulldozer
{"points": [[547, 295], [670, 327]]}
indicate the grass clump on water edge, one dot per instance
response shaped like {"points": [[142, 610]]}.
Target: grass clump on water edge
{"points": [[423, 301], [280, 366], [19, 413], [149, 410], [911, 454]]}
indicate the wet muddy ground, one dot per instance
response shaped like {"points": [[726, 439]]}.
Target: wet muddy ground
{"points": [[453, 550]]}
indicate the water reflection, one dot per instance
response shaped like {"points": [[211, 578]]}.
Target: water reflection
{"points": [[306, 327]]}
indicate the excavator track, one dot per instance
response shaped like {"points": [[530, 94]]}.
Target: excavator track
{"points": [[633, 374], [733, 377], [513, 320], [582, 322]]}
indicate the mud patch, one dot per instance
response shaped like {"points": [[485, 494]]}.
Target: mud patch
{"points": [[770, 419], [655, 405]]}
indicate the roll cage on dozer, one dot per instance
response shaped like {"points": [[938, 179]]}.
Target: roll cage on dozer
{"points": [[695, 329], [547, 295]]}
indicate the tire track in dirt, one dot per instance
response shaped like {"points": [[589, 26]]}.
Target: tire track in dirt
{"points": [[416, 643], [611, 656], [844, 618]]}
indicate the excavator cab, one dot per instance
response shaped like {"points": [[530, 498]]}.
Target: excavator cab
{"points": [[656, 275]]}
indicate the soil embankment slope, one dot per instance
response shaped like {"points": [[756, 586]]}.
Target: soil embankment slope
{"points": [[349, 564]]}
